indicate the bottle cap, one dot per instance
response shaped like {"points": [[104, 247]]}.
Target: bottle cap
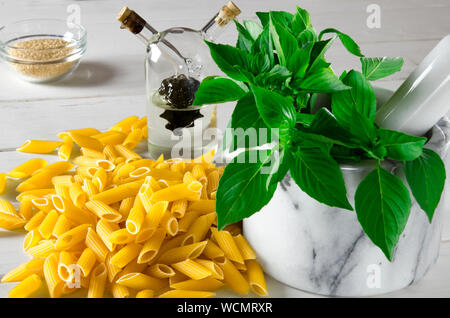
{"points": [[227, 13], [131, 20]]}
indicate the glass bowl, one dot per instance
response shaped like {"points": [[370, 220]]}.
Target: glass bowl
{"points": [[42, 50]]}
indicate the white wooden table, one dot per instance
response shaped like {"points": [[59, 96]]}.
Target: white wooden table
{"points": [[109, 84]]}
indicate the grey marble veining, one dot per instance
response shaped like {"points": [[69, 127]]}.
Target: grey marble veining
{"points": [[323, 250]]}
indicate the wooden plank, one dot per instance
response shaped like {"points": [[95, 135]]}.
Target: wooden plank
{"points": [[123, 74]]}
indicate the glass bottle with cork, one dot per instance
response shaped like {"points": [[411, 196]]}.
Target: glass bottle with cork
{"points": [[177, 60]]}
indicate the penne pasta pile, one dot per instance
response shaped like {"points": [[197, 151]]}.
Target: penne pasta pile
{"points": [[114, 223]]}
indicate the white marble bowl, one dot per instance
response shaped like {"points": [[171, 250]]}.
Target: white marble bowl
{"points": [[323, 250]]}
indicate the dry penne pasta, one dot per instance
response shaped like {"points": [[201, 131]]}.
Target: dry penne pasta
{"points": [[47, 225], [256, 277], [31, 239], [146, 293], [62, 225], [65, 150], [160, 271], [26, 209], [136, 217], [73, 213], [77, 195], [182, 253], [178, 293], [104, 230], [216, 271], [111, 269], [189, 191], [86, 262], [92, 153], [72, 237], [97, 282], [89, 188], [141, 281], [192, 269], [66, 266], [228, 245], [205, 284], [54, 283], [213, 252], [244, 247], [39, 146], [133, 139], [86, 142], [26, 169], [119, 193], [43, 177], [233, 278], [147, 226], [151, 247], [34, 222], [2, 183], [121, 236], [125, 255], [7, 208], [82, 131], [178, 208], [199, 228], [34, 266], [103, 211], [26, 288], [139, 124], [124, 126], [203, 206], [120, 291], [95, 243]]}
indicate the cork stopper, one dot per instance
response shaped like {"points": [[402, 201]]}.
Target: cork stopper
{"points": [[130, 20], [227, 13]]}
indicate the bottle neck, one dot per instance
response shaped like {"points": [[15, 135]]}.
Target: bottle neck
{"points": [[136, 24], [220, 22]]}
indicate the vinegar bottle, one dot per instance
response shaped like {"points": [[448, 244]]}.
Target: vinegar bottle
{"points": [[176, 61]]}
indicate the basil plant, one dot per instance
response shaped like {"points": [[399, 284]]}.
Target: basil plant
{"points": [[274, 72]]}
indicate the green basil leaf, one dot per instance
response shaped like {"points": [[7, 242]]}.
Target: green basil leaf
{"points": [[305, 119], [426, 178], [253, 28], [248, 129], [259, 63], [276, 110], [280, 167], [277, 75], [306, 37], [281, 17], [301, 21], [229, 59], [360, 97], [263, 44], [375, 68], [318, 175], [364, 129], [382, 206], [325, 124], [321, 81], [284, 42], [218, 90], [245, 40], [240, 181], [318, 52], [400, 146], [346, 40], [298, 62]]}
